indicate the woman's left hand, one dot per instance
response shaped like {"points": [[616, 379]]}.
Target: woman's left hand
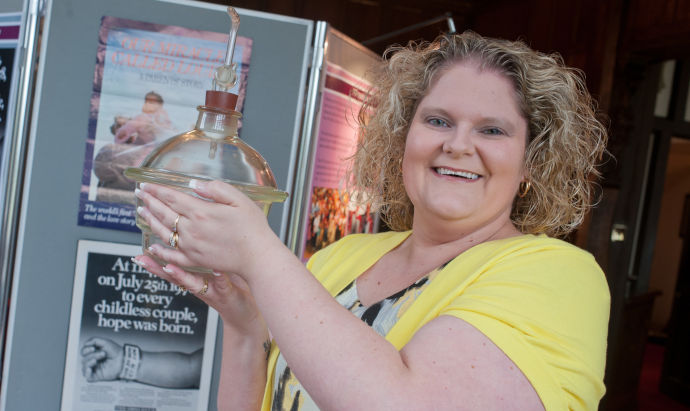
{"points": [[226, 234]]}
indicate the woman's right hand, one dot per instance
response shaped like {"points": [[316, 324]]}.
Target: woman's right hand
{"points": [[228, 294]]}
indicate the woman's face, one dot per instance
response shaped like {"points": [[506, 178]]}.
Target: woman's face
{"points": [[464, 154]]}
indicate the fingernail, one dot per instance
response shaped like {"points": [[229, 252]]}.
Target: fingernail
{"points": [[217, 274], [142, 185], [137, 262], [140, 210], [137, 193], [151, 249], [195, 184], [167, 270]]}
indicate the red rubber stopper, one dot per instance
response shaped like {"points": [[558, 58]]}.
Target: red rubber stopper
{"points": [[221, 99]]}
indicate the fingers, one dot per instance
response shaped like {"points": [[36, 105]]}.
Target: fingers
{"points": [[87, 370], [175, 200], [165, 233], [159, 214], [201, 286], [93, 358], [153, 267], [201, 239], [217, 191], [88, 349], [93, 343], [157, 227], [166, 203], [171, 255], [196, 284]]}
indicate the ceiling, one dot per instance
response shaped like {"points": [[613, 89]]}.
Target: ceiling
{"points": [[367, 20]]}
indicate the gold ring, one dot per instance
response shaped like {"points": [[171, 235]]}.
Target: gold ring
{"points": [[204, 289], [174, 239], [177, 220]]}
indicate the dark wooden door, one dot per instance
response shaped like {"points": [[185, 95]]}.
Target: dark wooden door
{"points": [[675, 374]]}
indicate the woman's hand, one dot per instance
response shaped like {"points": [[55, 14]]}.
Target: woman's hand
{"points": [[227, 234], [226, 293]]}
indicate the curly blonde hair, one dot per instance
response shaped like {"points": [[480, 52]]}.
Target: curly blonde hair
{"points": [[566, 141]]}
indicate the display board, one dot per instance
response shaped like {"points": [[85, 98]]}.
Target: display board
{"points": [[10, 24], [46, 249], [323, 209], [11, 6], [10, 27]]}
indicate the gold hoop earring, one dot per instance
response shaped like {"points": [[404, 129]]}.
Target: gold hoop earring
{"points": [[524, 188]]}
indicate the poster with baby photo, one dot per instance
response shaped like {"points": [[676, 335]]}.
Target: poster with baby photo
{"points": [[148, 80], [136, 342]]}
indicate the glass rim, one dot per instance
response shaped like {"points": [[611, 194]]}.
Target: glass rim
{"points": [[176, 179]]}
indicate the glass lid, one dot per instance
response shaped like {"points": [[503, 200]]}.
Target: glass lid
{"points": [[213, 150]]}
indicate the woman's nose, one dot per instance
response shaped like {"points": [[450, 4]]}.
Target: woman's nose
{"points": [[459, 142]]}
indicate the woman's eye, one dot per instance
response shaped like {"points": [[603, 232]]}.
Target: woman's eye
{"points": [[437, 122], [493, 131]]}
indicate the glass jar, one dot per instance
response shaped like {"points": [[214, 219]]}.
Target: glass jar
{"points": [[211, 151]]}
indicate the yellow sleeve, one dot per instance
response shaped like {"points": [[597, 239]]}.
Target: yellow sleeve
{"points": [[547, 308]]}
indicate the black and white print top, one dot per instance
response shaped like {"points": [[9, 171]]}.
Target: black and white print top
{"points": [[288, 393]]}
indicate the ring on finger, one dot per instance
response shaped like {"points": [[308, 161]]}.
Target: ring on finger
{"points": [[174, 239], [204, 289], [177, 220]]}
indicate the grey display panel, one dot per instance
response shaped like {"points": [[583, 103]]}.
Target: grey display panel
{"points": [[46, 249], [11, 6], [13, 90]]}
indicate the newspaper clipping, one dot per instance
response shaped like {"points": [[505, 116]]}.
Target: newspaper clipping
{"points": [[136, 342], [148, 81]]}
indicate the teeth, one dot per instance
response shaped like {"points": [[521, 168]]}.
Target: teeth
{"points": [[463, 174]]}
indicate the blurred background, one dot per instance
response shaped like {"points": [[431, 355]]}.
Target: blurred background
{"points": [[636, 58]]}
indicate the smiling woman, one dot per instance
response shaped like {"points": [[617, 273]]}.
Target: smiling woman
{"points": [[464, 153], [477, 151], [565, 139]]}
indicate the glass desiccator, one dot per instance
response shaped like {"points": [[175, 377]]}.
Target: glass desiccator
{"points": [[210, 151]]}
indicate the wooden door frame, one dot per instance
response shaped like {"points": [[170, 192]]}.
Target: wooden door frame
{"points": [[633, 186]]}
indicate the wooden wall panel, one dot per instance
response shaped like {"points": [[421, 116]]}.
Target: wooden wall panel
{"points": [[661, 28]]}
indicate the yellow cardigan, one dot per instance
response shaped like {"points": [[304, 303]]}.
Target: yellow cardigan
{"points": [[543, 301]]}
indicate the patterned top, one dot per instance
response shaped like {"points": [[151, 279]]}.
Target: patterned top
{"points": [[288, 393]]}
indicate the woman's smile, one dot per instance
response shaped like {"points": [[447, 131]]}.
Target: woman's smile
{"points": [[456, 174]]}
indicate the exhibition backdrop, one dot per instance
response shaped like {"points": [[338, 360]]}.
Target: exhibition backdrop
{"points": [[303, 84], [49, 233]]}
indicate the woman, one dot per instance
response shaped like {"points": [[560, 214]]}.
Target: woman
{"points": [[477, 151]]}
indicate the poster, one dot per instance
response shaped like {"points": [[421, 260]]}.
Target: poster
{"points": [[148, 81], [332, 213], [118, 308], [9, 37]]}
